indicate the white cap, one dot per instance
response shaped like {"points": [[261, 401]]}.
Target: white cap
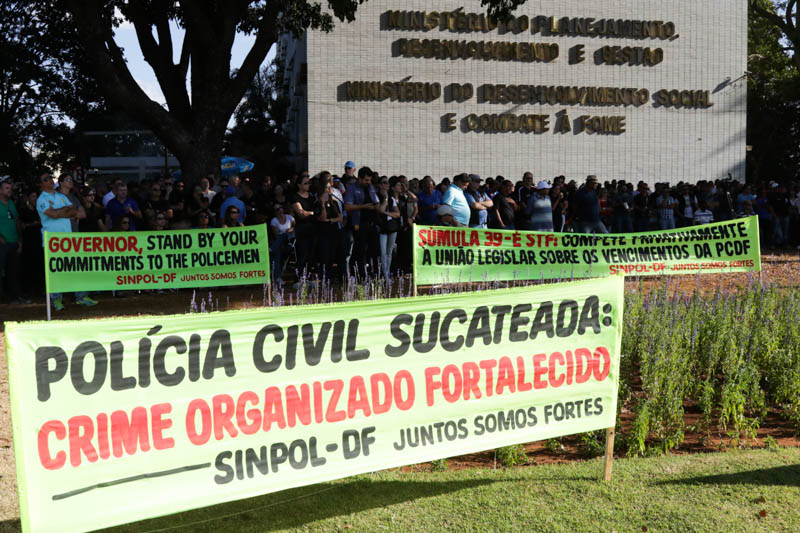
{"points": [[542, 185]]}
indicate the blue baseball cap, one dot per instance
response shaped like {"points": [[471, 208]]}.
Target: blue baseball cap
{"points": [[349, 164]]}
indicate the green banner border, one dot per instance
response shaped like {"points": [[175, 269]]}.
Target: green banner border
{"points": [[54, 281], [585, 270], [13, 329]]}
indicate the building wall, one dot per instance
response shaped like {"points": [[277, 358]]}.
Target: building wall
{"points": [[660, 143]]}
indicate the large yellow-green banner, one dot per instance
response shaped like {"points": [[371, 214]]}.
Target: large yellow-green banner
{"points": [[123, 419], [456, 255], [156, 259]]}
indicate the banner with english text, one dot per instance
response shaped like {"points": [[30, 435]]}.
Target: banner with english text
{"points": [[461, 255], [118, 420], [167, 259]]}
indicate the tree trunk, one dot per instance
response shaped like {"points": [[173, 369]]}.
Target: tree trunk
{"points": [[200, 158]]}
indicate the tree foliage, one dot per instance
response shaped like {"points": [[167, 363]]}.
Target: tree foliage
{"points": [[257, 133], [773, 112], [41, 84], [783, 16], [200, 88]]}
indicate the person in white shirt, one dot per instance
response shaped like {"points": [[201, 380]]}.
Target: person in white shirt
{"points": [[112, 193], [282, 228]]}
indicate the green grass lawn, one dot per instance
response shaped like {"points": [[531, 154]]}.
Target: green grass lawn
{"points": [[714, 492]]}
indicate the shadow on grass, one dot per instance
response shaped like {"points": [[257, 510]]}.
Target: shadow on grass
{"points": [[292, 508], [788, 475]]}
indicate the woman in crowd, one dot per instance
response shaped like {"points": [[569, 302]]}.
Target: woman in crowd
{"points": [[279, 194], [389, 221], [539, 209], [197, 203], [203, 220], [160, 221], [303, 212], [409, 210], [231, 218], [282, 228], [123, 223], [95, 214], [329, 217]]}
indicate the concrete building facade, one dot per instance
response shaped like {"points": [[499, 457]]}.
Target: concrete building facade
{"points": [[648, 90]]}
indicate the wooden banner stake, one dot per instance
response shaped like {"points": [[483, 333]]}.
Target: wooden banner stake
{"points": [[609, 454]]}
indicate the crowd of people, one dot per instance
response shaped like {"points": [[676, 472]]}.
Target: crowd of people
{"points": [[359, 222]]}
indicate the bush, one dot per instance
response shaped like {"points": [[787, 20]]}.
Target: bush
{"points": [[509, 456], [733, 354], [439, 465]]}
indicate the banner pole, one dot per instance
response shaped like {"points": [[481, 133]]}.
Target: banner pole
{"points": [[609, 454], [269, 294], [47, 301], [414, 260]]}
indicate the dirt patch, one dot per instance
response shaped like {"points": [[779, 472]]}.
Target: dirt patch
{"points": [[9, 507]]}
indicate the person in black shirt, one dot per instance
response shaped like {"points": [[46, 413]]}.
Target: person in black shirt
{"points": [[177, 204], [328, 212], [523, 193], [560, 205], [505, 206], [778, 198], [641, 208], [95, 214], [154, 203], [303, 212], [32, 257]]}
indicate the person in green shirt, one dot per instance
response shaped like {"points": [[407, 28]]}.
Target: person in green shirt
{"points": [[10, 244]]}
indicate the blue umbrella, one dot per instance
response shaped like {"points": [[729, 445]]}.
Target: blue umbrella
{"points": [[229, 166], [235, 165]]}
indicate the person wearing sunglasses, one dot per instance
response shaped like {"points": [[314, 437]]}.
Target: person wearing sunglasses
{"points": [[232, 218], [303, 212], [55, 211], [95, 214], [10, 244], [203, 219], [232, 201]]}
